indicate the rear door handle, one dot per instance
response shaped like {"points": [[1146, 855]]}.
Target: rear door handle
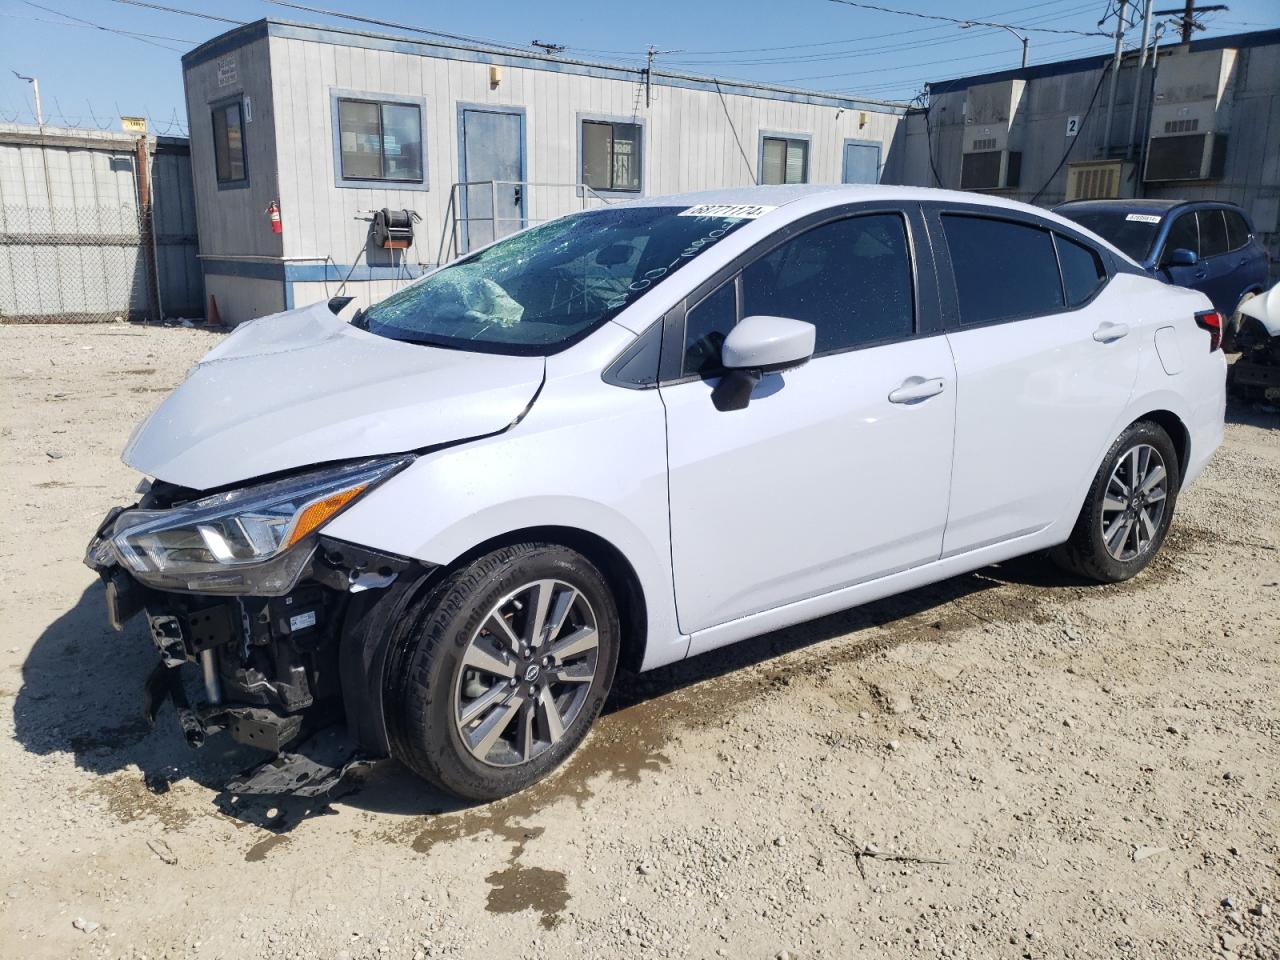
{"points": [[915, 389], [1108, 332]]}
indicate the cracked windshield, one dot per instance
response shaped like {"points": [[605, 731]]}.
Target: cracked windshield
{"points": [[542, 290]]}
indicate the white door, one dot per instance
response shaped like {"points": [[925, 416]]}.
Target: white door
{"points": [[1046, 359], [824, 480]]}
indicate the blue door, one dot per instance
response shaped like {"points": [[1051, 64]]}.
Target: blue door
{"points": [[492, 160], [861, 162]]}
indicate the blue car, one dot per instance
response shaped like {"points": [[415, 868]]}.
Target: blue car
{"points": [[1209, 246]]}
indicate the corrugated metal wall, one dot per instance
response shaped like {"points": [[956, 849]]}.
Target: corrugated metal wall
{"points": [[1251, 177], [71, 233]]}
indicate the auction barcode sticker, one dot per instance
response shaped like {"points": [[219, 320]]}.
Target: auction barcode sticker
{"points": [[728, 211], [1143, 218]]}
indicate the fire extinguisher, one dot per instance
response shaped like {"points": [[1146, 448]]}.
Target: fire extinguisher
{"points": [[273, 214]]}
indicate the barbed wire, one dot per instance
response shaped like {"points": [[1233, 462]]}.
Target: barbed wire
{"points": [[58, 117]]}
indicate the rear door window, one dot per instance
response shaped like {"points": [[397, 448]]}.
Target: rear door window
{"points": [[1183, 235], [1003, 270], [1082, 270], [1213, 233], [1237, 230]]}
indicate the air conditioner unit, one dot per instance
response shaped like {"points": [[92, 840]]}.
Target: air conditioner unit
{"points": [[1100, 180], [987, 161], [991, 170], [1191, 116], [1200, 156]]}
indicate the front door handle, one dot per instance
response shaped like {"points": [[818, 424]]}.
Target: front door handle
{"points": [[915, 389], [1108, 332]]}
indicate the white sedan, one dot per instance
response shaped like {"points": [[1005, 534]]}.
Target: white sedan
{"points": [[634, 435]]}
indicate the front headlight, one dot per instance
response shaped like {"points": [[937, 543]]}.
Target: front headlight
{"points": [[255, 540]]}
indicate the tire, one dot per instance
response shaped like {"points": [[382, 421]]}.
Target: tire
{"points": [[471, 702], [1090, 552]]}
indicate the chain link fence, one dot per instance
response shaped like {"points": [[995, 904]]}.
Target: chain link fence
{"points": [[82, 264]]}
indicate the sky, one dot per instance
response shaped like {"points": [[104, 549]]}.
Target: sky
{"points": [[90, 75]]}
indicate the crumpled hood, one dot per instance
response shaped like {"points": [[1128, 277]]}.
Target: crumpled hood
{"points": [[305, 387]]}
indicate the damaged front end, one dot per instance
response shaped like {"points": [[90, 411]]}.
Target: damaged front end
{"points": [[242, 588]]}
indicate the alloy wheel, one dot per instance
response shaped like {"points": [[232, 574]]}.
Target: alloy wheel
{"points": [[526, 673], [1134, 502]]}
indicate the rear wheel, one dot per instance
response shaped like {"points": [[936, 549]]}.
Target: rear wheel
{"points": [[1127, 512], [502, 670]]}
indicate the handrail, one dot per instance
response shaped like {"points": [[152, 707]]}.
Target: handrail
{"points": [[455, 208]]}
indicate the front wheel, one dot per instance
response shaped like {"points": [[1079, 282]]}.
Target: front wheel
{"points": [[1127, 512], [501, 670]]}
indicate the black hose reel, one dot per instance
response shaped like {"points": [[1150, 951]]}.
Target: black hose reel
{"points": [[393, 229]]}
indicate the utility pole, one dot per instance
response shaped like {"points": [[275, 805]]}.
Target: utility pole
{"points": [[1137, 80], [652, 54], [1115, 77], [1023, 38], [35, 93], [548, 47], [648, 75], [1187, 17]]}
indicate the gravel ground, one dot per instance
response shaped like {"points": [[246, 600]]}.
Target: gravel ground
{"points": [[1007, 764]]}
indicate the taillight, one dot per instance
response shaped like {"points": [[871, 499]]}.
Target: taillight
{"points": [[1211, 320]]}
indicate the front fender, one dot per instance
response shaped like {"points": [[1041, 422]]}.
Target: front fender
{"points": [[604, 474]]}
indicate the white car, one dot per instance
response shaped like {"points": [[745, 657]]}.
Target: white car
{"points": [[634, 435]]}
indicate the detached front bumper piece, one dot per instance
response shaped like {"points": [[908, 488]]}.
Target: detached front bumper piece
{"points": [[270, 669]]}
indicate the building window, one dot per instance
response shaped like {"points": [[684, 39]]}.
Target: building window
{"points": [[228, 144], [784, 160], [611, 155], [379, 140]]}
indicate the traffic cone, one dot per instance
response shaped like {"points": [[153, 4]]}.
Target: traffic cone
{"points": [[214, 319]]}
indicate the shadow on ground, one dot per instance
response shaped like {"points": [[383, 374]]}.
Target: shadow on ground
{"points": [[1253, 414], [82, 694]]}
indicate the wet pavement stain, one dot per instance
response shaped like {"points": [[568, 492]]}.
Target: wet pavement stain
{"points": [[258, 852], [520, 888], [128, 799], [648, 711]]}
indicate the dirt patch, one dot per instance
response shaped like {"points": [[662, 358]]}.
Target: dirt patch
{"points": [[258, 852], [1099, 767], [128, 800]]}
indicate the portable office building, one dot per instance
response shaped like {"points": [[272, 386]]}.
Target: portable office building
{"points": [[322, 126]]}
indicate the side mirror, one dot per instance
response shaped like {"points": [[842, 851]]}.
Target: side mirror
{"points": [[1181, 257], [338, 304], [757, 346]]}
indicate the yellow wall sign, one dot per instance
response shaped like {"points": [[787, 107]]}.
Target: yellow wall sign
{"points": [[133, 124]]}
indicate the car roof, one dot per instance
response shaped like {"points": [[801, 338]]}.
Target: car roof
{"points": [[1149, 205], [831, 194], [811, 197]]}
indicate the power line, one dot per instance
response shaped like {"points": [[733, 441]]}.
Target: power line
{"points": [[1083, 120], [78, 22], [64, 23], [824, 43], [874, 51], [960, 20], [732, 126], [187, 13], [911, 66], [850, 46], [374, 21]]}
